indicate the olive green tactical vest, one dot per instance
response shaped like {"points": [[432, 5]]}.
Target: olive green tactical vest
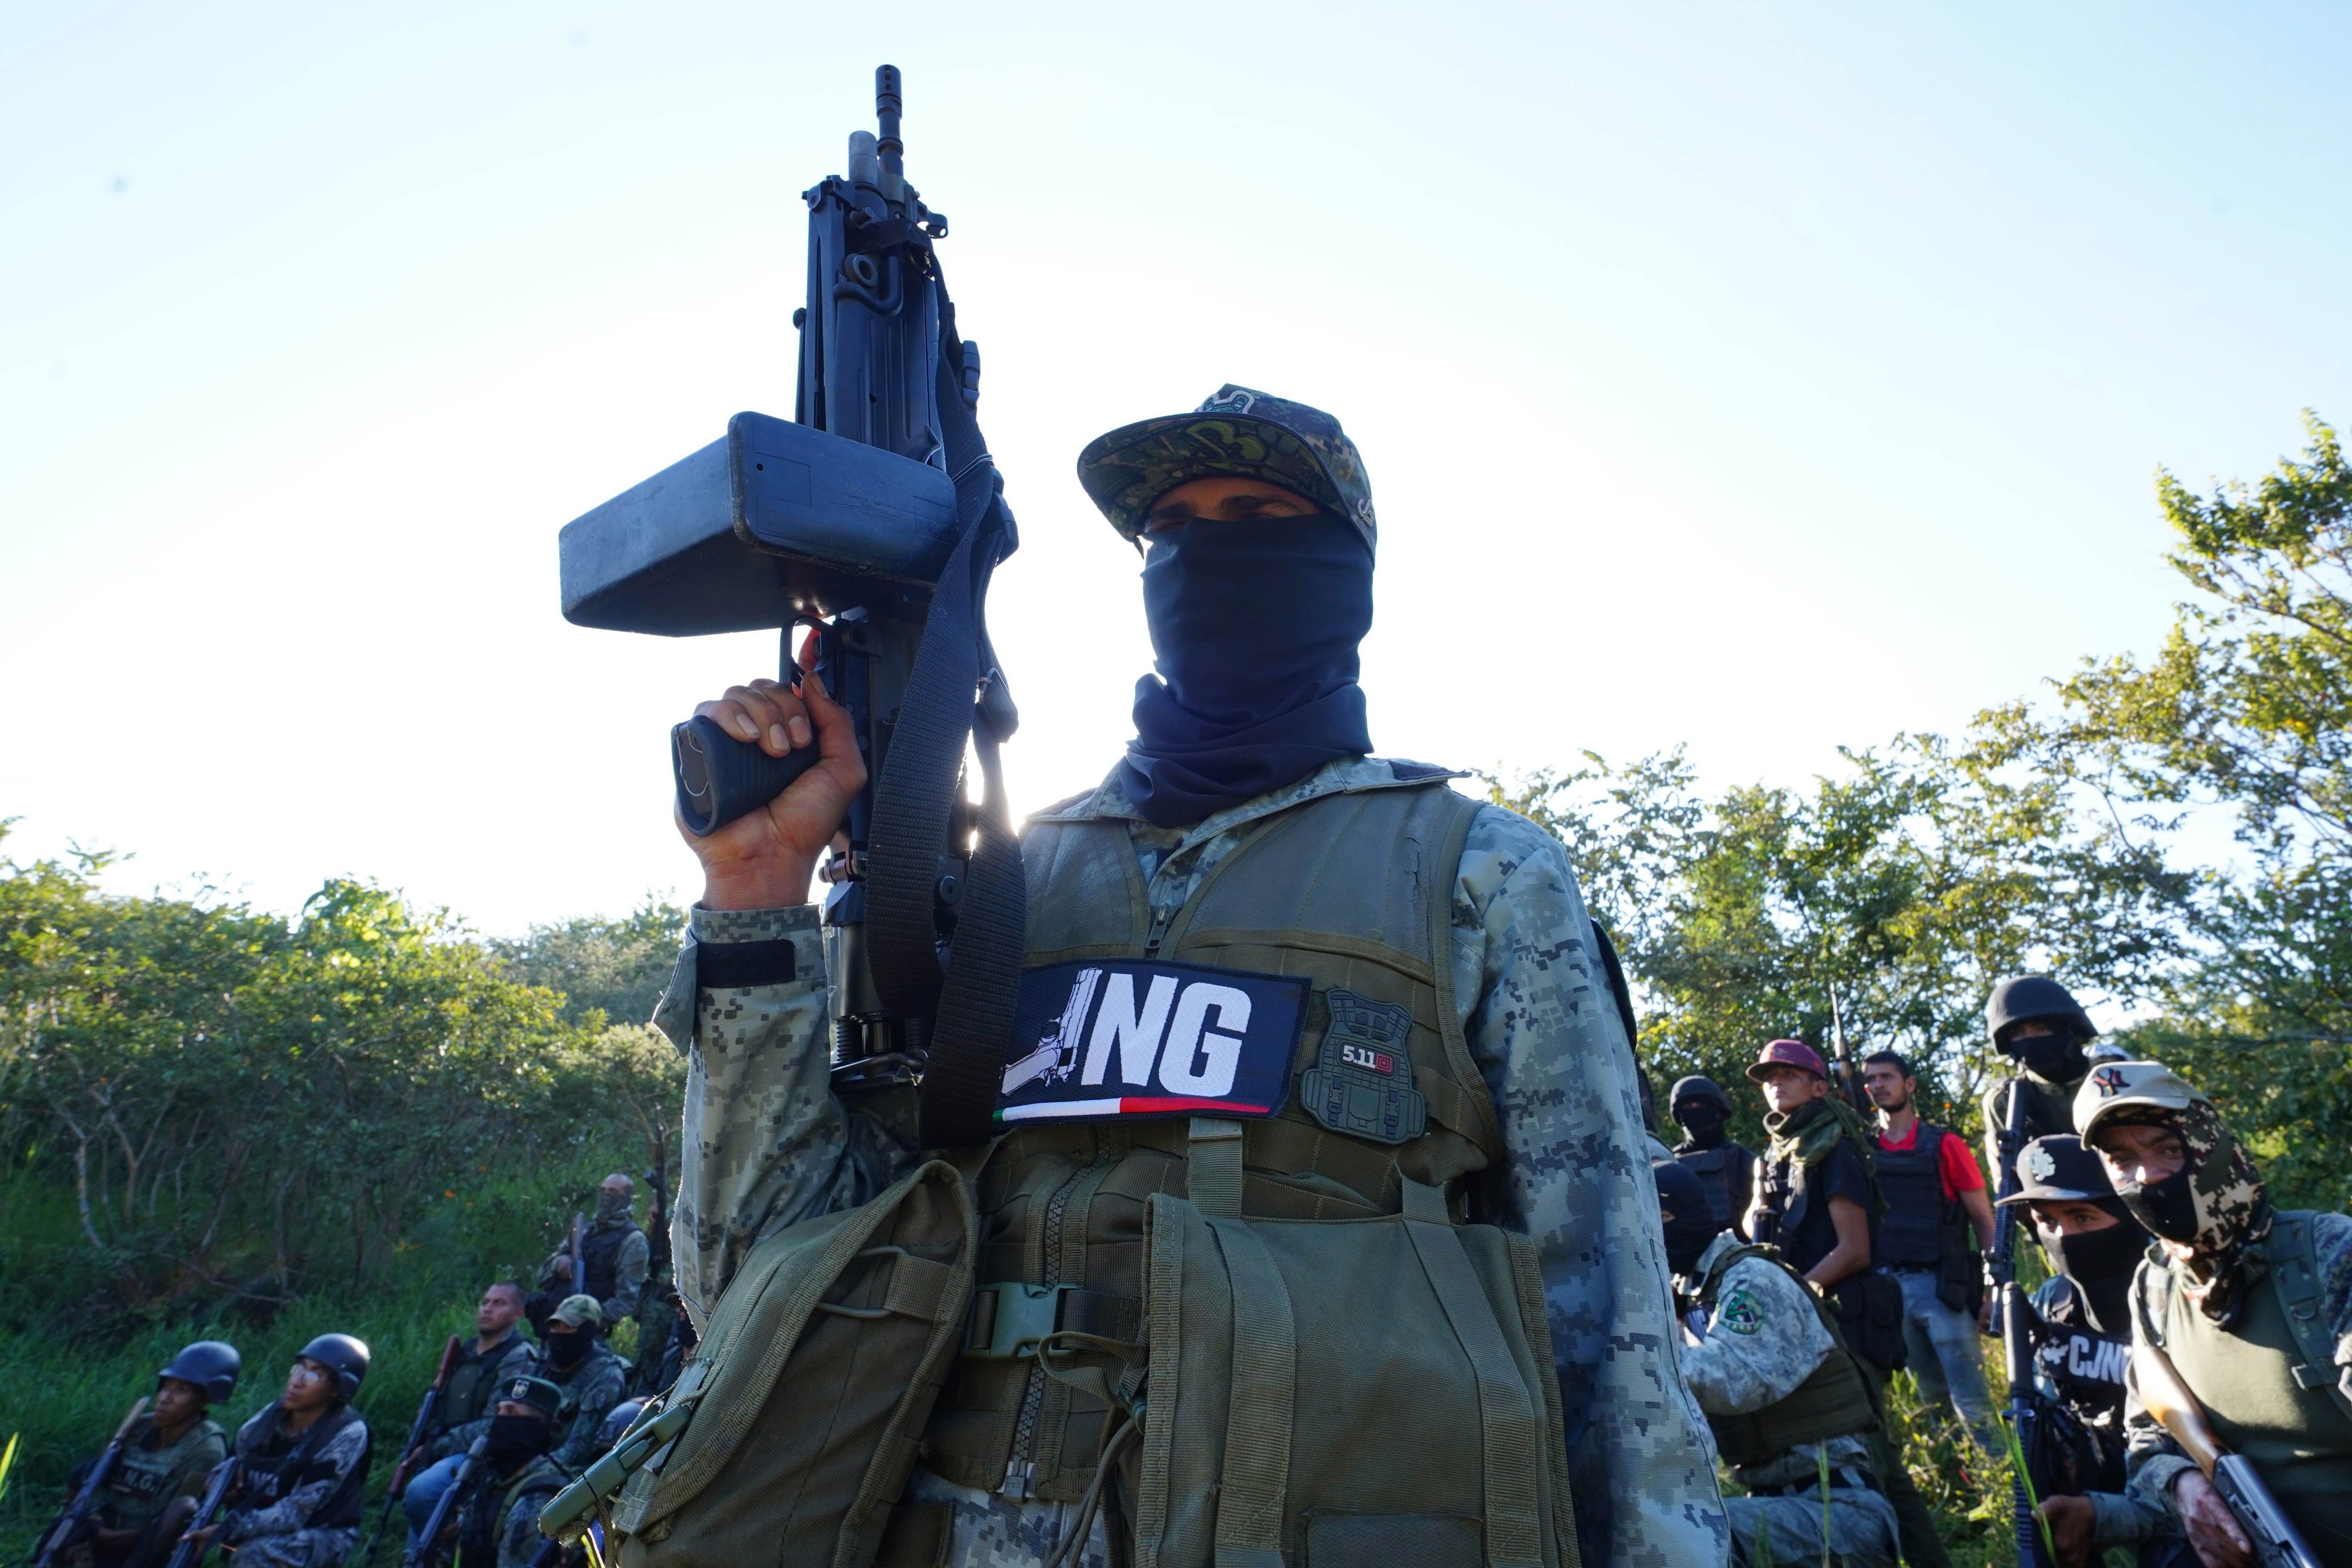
{"points": [[1833, 1401], [2268, 1385], [1353, 892]]}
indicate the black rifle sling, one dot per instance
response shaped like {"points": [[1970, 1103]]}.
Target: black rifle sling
{"points": [[916, 800]]}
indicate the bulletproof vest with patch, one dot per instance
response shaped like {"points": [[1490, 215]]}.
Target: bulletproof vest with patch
{"points": [[475, 1380], [1833, 1401], [600, 1270], [269, 1467], [1917, 1227], [1347, 900], [145, 1475], [1727, 1171], [2087, 1367], [2267, 1380]]}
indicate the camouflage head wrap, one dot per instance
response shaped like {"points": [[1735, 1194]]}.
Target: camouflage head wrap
{"points": [[2206, 1215], [1235, 431]]}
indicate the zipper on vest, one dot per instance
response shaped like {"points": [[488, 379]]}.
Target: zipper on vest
{"points": [[1152, 943], [1021, 1469]]}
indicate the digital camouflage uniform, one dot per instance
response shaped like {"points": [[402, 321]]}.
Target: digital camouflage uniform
{"points": [[516, 1500], [768, 1145], [591, 1389], [628, 1269], [303, 1528], [1764, 1339]]}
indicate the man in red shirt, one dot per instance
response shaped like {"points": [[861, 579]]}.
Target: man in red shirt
{"points": [[1939, 1220]]}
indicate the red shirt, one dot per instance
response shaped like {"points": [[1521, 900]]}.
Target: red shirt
{"points": [[1952, 1156]]}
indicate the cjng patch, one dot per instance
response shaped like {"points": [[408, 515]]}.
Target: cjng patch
{"points": [[1361, 1082], [1128, 1038]]}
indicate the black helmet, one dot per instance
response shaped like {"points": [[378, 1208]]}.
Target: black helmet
{"points": [[348, 1358], [617, 1422], [211, 1365], [1697, 1087], [2015, 1000]]}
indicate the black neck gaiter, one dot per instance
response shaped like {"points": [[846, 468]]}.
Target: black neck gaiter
{"points": [[1701, 1124], [2100, 1263], [1253, 631]]}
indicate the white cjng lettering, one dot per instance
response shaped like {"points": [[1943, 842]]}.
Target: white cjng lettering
{"points": [[1133, 1033], [1201, 1062]]}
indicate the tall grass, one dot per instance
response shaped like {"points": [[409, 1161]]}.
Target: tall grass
{"points": [[67, 1374]]}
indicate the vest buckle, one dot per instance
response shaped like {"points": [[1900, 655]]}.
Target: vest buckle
{"points": [[1009, 1319]]}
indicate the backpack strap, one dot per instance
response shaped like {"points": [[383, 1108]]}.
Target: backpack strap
{"points": [[2294, 1275]]}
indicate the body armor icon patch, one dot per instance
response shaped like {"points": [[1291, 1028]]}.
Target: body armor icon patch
{"points": [[1361, 1082]]}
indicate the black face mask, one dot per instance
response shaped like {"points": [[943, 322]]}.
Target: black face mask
{"points": [[514, 1439], [1703, 1123], [1254, 632], [2053, 1058], [2100, 1263], [566, 1349], [2167, 1207], [1688, 1236]]}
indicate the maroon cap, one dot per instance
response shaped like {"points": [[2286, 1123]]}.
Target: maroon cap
{"points": [[1788, 1053]]}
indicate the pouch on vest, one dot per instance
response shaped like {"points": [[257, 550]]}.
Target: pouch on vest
{"points": [[1870, 1311], [1332, 1393], [802, 1409]]}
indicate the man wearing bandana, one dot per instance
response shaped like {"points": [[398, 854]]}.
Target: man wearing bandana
{"points": [[614, 1251], [2080, 1329], [2253, 1304], [1476, 1012], [497, 1525]]}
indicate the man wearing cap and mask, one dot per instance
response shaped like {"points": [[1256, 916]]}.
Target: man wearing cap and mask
{"points": [[1724, 1168], [593, 1379], [1785, 1396], [1452, 973], [498, 1523], [2080, 1329], [2037, 1023], [2252, 1305]]}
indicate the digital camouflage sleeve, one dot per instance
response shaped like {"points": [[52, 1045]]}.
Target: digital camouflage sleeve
{"points": [[766, 1144], [588, 1395], [281, 1535], [1764, 1339]]}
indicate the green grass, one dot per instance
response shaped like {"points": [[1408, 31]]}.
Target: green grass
{"points": [[69, 1374]]}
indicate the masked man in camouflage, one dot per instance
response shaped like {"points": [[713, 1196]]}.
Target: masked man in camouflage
{"points": [[2251, 1304], [1455, 1001], [1788, 1401], [614, 1253], [591, 1378], [497, 1526]]}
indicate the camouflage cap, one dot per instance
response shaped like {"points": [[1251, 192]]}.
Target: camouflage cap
{"points": [[536, 1392], [1238, 432], [2132, 1091], [579, 1311]]}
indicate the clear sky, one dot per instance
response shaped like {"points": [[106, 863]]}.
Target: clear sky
{"points": [[1757, 377]]}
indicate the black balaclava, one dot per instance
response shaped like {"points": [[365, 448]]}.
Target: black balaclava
{"points": [[569, 1349], [2052, 1058], [1703, 1121], [514, 1439], [1693, 1228], [2101, 1263], [1253, 631]]}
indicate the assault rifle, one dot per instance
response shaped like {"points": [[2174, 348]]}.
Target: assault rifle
{"points": [[2277, 1542], [427, 1550], [875, 516], [658, 1212], [2016, 1315], [62, 1534], [1846, 1069], [192, 1548], [427, 1408]]}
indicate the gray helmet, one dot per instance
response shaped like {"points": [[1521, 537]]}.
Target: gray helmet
{"points": [[617, 1422], [347, 1357], [1697, 1087], [2024, 997], [211, 1365]]}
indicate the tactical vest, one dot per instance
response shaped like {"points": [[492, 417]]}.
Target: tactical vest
{"points": [[268, 1472], [490, 1501], [2082, 1450], [2268, 1381], [1727, 1171], [141, 1482], [1352, 892], [600, 1268], [1833, 1401]]}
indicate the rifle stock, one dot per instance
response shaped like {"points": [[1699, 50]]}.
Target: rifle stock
{"points": [[78, 1507], [2277, 1542]]}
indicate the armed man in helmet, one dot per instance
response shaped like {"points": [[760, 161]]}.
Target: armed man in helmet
{"points": [[152, 1491], [2037, 1023], [498, 1523], [301, 1466], [1724, 1168], [1791, 1406], [2250, 1304], [2080, 1331], [1457, 1050]]}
